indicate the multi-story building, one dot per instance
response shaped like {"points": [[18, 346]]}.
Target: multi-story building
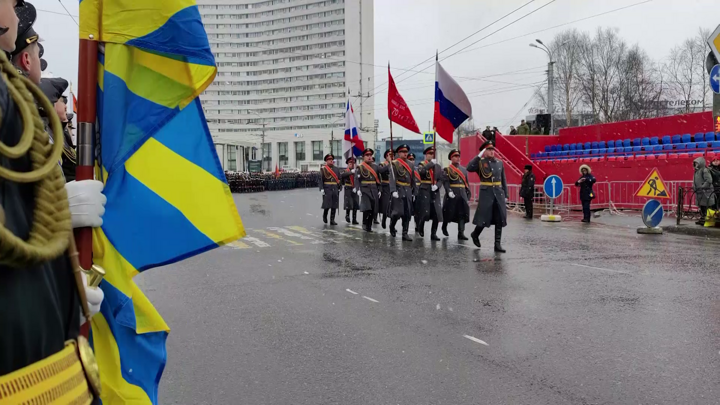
{"points": [[285, 68]]}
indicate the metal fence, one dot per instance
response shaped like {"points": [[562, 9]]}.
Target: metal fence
{"points": [[687, 203]]}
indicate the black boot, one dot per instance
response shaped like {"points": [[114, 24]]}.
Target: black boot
{"points": [[444, 229], [433, 231], [393, 232], [354, 221], [332, 217], [375, 219], [475, 235], [384, 221], [406, 228], [347, 216], [325, 212], [420, 229], [461, 230], [498, 236], [367, 220]]}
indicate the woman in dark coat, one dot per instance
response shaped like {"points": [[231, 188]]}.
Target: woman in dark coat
{"points": [[585, 182]]}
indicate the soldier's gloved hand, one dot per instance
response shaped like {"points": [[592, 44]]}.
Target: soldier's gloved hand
{"points": [[507, 201], [359, 193], [379, 194], [94, 297], [395, 194], [451, 194], [87, 203], [434, 187], [355, 191], [322, 192], [352, 171], [413, 198], [434, 161], [480, 155]]}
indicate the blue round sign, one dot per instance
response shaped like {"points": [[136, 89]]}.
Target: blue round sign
{"points": [[652, 213], [553, 186], [715, 79]]}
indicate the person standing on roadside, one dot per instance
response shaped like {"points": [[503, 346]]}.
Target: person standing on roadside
{"points": [[703, 185], [585, 182], [527, 191]]}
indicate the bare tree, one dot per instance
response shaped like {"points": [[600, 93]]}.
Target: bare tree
{"points": [[565, 48], [682, 73], [702, 48]]}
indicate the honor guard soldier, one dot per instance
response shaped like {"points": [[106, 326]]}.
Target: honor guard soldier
{"points": [[428, 201], [386, 197], [350, 191], [402, 182], [330, 188], [43, 358], [368, 177], [411, 158], [456, 207], [492, 209]]}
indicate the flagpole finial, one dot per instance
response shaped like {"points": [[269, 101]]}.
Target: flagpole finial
{"points": [[436, 55]]}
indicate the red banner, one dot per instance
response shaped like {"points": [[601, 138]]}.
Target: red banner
{"points": [[398, 111]]}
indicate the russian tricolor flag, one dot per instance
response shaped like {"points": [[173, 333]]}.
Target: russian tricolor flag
{"points": [[352, 143], [452, 106]]}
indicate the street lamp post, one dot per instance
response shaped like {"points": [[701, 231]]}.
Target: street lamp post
{"points": [[551, 80]]}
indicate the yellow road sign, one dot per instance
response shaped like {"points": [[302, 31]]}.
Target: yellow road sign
{"points": [[653, 187], [714, 42]]}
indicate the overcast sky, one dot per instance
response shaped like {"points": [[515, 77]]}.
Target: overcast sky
{"points": [[409, 31]]}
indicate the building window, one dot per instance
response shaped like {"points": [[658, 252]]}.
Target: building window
{"points": [[299, 152], [267, 156], [231, 158], [335, 148], [283, 153], [317, 150]]}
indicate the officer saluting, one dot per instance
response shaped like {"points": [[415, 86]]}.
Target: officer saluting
{"points": [[402, 182], [491, 208], [367, 176], [456, 207], [330, 188], [350, 195], [428, 199]]}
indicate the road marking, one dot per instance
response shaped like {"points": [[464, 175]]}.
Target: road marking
{"points": [[289, 233], [351, 291], [370, 299], [476, 340], [276, 236], [339, 233], [305, 272], [238, 245], [599, 268], [257, 242]]}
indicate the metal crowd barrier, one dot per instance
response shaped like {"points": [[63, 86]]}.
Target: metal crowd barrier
{"points": [[687, 204]]}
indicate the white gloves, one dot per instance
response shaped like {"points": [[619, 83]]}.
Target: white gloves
{"points": [[379, 194], [359, 193], [322, 192], [94, 297], [434, 187], [87, 203], [481, 153], [451, 194], [434, 161], [395, 194], [352, 171]]}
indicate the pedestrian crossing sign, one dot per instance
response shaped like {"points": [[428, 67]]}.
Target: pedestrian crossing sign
{"points": [[429, 138], [653, 187]]}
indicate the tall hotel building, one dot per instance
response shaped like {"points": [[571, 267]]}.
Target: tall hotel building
{"points": [[285, 68]]}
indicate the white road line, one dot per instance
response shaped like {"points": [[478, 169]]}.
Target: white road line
{"points": [[305, 272], [351, 291], [370, 299], [599, 268], [476, 340], [255, 241], [289, 233]]}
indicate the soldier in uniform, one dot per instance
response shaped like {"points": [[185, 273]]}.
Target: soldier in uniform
{"points": [[368, 176], [411, 158], [39, 290], [428, 202], [330, 188], [350, 189], [402, 182], [491, 208], [456, 207], [386, 197]]}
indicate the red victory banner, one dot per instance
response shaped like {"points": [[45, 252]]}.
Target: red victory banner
{"points": [[398, 111]]}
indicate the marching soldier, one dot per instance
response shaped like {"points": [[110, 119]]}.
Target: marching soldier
{"points": [[368, 176], [385, 198], [491, 208], [351, 198], [402, 182], [456, 207], [428, 198], [411, 158], [330, 188]]}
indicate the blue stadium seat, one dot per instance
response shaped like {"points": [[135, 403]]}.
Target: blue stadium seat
{"points": [[710, 137], [601, 144], [681, 147], [654, 141], [699, 137], [666, 139], [610, 151], [610, 144], [637, 149], [533, 155], [636, 142], [588, 145], [691, 145], [645, 141], [657, 149], [686, 138], [553, 148], [667, 147], [716, 144], [626, 143], [586, 152], [566, 147], [594, 145], [563, 153], [602, 151], [594, 151], [628, 149], [579, 146], [572, 146], [547, 148], [677, 139]]}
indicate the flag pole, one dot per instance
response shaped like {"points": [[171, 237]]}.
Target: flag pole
{"points": [[86, 113], [434, 130]]}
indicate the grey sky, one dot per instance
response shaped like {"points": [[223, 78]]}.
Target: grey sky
{"points": [[409, 31]]}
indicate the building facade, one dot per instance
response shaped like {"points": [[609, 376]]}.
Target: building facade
{"points": [[285, 68]]}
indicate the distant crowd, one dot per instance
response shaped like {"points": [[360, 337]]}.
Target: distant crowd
{"points": [[241, 182]]}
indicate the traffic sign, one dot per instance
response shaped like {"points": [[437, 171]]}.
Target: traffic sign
{"points": [[428, 137], [653, 187], [715, 79], [553, 186], [714, 42], [652, 213]]}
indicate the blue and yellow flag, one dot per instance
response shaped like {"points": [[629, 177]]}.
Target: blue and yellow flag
{"points": [[168, 198]]}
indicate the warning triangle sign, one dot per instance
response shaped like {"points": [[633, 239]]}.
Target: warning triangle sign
{"points": [[653, 187]]}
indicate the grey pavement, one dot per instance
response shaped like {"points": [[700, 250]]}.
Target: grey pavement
{"points": [[303, 313]]}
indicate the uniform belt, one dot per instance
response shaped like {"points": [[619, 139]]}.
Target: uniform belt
{"points": [[330, 183], [426, 181], [56, 379], [386, 182], [403, 184], [494, 183], [458, 185], [368, 182]]}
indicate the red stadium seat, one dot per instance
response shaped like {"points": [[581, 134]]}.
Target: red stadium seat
{"points": [[612, 158], [594, 160], [662, 156], [697, 155], [710, 156], [630, 157], [683, 156], [640, 157], [672, 156]]}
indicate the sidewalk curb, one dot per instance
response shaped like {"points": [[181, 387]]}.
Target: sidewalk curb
{"points": [[693, 230]]}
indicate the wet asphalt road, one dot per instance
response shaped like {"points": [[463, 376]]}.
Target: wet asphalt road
{"points": [[300, 313]]}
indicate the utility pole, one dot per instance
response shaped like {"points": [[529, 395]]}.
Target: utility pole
{"points": [[551, 80]]}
